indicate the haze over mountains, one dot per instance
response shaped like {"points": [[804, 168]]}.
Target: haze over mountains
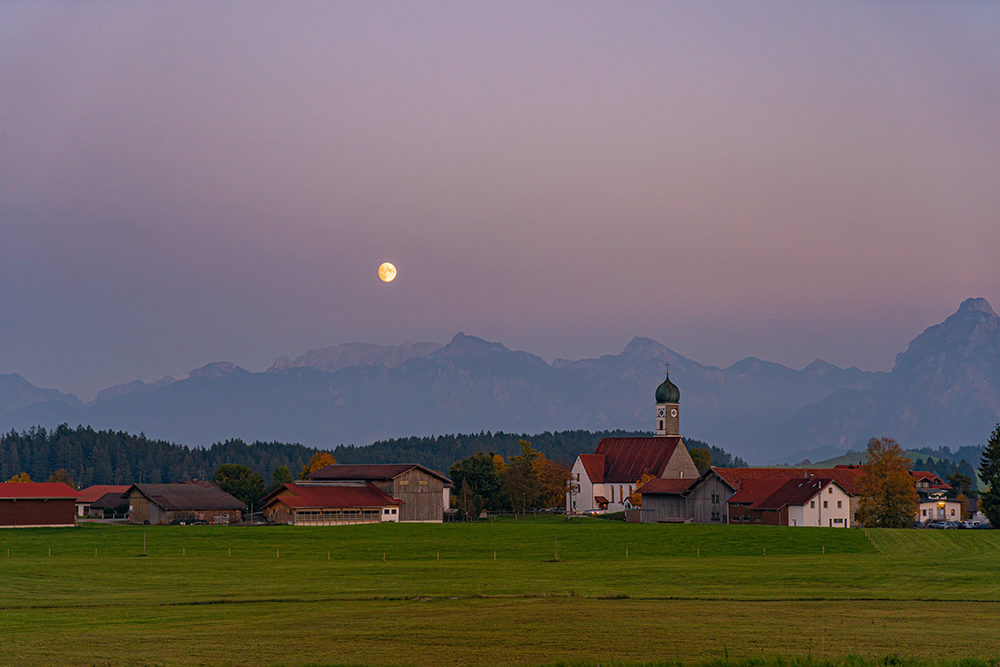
{"points": [[943, 390]]}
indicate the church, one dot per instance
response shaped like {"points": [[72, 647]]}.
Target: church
{"points": [[605, 479]]}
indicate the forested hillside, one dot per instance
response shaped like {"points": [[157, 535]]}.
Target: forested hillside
{"points": [[116, 457]]}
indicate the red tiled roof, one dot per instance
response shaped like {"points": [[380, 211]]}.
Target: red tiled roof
{"points": [[92, 493], [846, 478], [627, 459], [49, 490], [756, 490], [594, 465], [370, 471], [659, 485], [321, 497]]}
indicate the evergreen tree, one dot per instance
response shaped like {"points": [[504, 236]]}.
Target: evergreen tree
{"points": [[989, 471]]}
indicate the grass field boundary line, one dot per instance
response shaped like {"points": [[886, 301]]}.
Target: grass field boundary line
{"points": [[525, 596]]}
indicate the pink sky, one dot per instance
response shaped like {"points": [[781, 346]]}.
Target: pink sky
{"points": [[186, 183]]}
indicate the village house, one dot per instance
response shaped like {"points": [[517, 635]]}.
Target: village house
{"points": [[110, 505], [796, 501], [422, 493], [706, 499], [92, 493], [329, 505], [605, 479], [37, 504], [182, 503]]}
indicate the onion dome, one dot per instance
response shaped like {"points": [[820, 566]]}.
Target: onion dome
{"points": [[668, 392]]}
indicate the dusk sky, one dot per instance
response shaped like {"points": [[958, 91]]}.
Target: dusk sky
{"points": [[182, 183]]}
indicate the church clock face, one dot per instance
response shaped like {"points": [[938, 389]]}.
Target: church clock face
{"points": [[659, 412], [673, 412]]}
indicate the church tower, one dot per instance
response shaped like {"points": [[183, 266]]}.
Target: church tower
{"points": [[668, 398]]}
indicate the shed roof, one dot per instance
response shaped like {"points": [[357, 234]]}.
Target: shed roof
{"points": [[627, 459], [188, 496], [39, 490], [316, 497], [666, 486], [92, 493], [112, 499], [365, 472]]}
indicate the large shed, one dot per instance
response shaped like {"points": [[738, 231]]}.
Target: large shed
{"points": [[421, 490], [329, 505], [187, 502], [36, 504], [86, 497]]}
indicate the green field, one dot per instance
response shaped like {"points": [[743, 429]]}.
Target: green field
{"points": [[619, 592]]}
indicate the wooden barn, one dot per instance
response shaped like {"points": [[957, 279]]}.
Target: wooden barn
{"points": [[182, 503], [422, 491], [37, 504], [329, 505]]}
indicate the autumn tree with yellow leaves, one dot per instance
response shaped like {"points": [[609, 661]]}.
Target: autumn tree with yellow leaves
{"points": [[887, 495], [318, 460]]}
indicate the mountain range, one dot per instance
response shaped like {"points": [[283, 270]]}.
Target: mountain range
{"points": [[943, 390]]}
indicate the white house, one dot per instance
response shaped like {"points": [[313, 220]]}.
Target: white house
{"points": [[798, 501]]}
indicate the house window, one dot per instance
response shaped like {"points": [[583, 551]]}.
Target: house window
{"points": [[385, 511], [830, 490], [953, 512], [824, 504], [812, 504], [393, 511], [924, 512], [840, 504]]}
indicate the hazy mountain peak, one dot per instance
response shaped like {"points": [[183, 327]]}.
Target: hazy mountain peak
{"points": [[819, 368], [332, 359], [977, 304], [216, 370], [133, 387]]}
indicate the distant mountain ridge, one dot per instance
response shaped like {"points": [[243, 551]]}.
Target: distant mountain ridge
{"points": [[942, 391]]}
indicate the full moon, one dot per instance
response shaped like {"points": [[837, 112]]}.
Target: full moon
{"points": [[387, 272]]}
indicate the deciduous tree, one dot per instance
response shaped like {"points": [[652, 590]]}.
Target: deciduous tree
{"points": [[552, 477], [20, 478], [318, 460], [989, 472], [241, 482], [702, 458], [62, 476], [478, 480], [887, 495]]}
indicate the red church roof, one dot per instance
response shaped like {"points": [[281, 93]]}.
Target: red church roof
{"points": [[627, 459], [594, 465]]}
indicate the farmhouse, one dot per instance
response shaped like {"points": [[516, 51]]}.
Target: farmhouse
{"points": [[705, 500], [421, 492], [810, 501], [605, 479], [187, 502], [329, 505], [92, 493], [35, 504]]}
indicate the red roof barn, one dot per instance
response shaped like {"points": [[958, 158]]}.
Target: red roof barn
{"points": [[35, 504]]}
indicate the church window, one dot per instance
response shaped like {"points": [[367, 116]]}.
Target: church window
{"points": [[621, 496], [612, 494]]}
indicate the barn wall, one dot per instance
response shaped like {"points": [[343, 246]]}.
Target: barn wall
{"points": [[421, 495], [37, 512]]}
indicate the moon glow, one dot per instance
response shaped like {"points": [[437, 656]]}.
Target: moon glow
{"points": [[386, 272]]}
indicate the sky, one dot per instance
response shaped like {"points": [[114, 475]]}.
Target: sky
{"points": [[183, 183]]}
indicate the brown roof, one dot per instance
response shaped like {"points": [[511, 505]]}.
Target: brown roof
{"points": [[112, 499], [659, 485], [627, 459], [594, 465], [370, 471], [846, 478], [318, 497], [47, 490], [92, 493], [188, 496], [756, 490]]}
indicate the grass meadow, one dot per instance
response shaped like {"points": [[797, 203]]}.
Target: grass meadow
{"points": [[493, 594]]}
